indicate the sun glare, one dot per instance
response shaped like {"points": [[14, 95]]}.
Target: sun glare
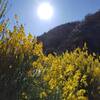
{"points": [[45, 11]]}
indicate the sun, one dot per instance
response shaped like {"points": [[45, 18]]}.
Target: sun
{"points": [[45, 11]]}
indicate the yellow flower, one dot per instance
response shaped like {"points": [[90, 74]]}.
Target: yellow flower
{"points": [[43, 94], [1, 28], [52, 83], [46, 77]]}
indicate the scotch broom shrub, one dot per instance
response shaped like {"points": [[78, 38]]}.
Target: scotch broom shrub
{"points": [[27, 74]]}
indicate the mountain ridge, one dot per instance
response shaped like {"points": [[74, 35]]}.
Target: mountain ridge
{"points": [[72, 35]]}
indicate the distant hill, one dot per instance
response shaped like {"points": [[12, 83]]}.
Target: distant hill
{"points": [[71, 35]]}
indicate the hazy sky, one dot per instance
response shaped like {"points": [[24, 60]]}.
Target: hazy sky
{"points": [[64, 11]]}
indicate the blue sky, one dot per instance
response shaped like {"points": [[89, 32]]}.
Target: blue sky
{"points": [[64, 11]]}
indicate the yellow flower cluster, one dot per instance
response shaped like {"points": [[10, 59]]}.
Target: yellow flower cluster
{"points": [[72, 75]]}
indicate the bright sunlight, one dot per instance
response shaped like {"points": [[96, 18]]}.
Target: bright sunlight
{"points": [[45, 11]]}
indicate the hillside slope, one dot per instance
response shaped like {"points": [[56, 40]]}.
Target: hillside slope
{"points": [[71, 35]]}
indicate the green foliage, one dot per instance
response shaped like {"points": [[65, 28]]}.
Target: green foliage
{"points": [[27, 74], [3, 7], [3, 10]]}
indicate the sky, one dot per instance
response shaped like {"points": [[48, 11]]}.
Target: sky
{"points": [[64, 11]]}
